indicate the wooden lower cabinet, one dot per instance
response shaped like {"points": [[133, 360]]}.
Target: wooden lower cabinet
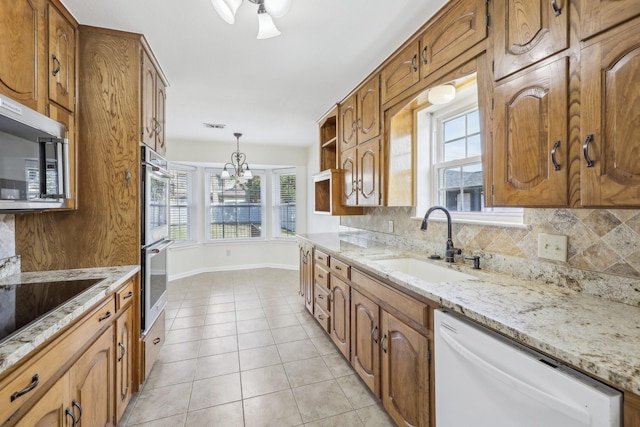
{"points": [[365, 336], [124, 360], [306, 275], [405, 372], [50, 411], [339, 325]]}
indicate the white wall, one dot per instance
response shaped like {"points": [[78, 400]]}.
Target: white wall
{"points": [[203, 257]]}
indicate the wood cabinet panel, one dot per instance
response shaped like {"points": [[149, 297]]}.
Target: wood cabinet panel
{"points": [[306, 275], [369, 173], [349, 177], [91, 382], [365, 336], [321, 258], [610, 112], [600, 15], [527, 31], [160, 109], [368, 122], [321, 275], [400, 73], [124, 360], [631, 410], [148, 104], [323, 318], [347, 124], [458, 29], [530, 125], [22, 31], [340, 269], [405, 373], [62, 59], [50, 411], [340, 302], [322, 298]]}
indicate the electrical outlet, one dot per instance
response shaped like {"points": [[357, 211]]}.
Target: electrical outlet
{"points": [[390, 226], [552, 246]]}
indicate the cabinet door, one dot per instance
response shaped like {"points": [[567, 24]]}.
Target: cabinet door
{"points": [[308, 279], [365, 336], [368, 122], [405, 373], [50, 410], [302, 272], [349, 177], [91, 382], [160, 115], [530, 132], [148, 102], [609, 120], [22, 33], [600, 15], [369, 178], [347, 124], [401, 73], [124, 360], [527, 31], [458, 29], [62, 60], [340, 315]]}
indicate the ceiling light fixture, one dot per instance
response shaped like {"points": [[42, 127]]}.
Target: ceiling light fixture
{"points": [[441, 94], [267, 10], [240, 167]]}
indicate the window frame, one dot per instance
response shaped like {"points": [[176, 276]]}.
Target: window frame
{"points": [[276, 206], [210, 172], [192, 204]]}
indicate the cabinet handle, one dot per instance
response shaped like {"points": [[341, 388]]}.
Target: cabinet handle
{"points": [[77, 405], [319, 296], [556, 9], [124, 351], [331, 294], [424, 55], [374, 334], [384, 338], [556, 165], [585, 150], [337, 267], [354, 126], [73, 417], [35, 380], [127, 296], [414, 67], [320, 276], [57, 69], [320, 317], [105, 317], [157, 341]]}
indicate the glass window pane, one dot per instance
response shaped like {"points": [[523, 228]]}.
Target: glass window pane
{"points": [[473, 146], [449, 177], [454, 128], [473, 122], [472, 175], [454, 150]]}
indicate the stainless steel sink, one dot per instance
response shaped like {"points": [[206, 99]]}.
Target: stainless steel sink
{"points": [[423, 269]]}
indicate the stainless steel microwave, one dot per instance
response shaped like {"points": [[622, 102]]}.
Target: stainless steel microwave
{"points": [[34, 160]]}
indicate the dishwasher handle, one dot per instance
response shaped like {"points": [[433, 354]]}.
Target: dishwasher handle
{"points": [[541, 396]]}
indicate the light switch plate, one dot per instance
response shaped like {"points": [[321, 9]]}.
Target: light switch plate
{"points": [[552, 246]]}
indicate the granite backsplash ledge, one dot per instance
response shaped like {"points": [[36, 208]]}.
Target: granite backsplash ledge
{"points": [[603, 253], [9, 262]]}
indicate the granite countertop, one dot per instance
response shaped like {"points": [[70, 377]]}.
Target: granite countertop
{"points": [[598, 336], [17, 346]]}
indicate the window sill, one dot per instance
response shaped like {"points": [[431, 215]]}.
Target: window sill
{"points": [[178, 245], [511, 220]]}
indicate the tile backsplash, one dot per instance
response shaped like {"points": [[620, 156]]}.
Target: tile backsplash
{"points": [[9, 262], [603, 253]]}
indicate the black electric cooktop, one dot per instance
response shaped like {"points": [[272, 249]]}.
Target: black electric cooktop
{"points": [[23, 304]]}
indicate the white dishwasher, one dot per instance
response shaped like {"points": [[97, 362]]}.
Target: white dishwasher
{"points": [[484, 380]]}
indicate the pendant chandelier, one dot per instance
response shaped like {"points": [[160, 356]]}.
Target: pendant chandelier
{"points": [[240, 167], [267, 10]]}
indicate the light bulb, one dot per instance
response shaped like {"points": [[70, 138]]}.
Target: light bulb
{"points": [[277, 8]]}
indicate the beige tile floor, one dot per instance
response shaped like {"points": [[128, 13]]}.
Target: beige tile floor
{"points": [[242, 351]]}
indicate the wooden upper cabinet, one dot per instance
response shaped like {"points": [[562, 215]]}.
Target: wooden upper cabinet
{"points": [[369, 178], [405, 367], [368, 122], [62, 59], [400, 73], [610, 113], [527, 31], [22, 51], [365, 336], [161, 101], [148, 101], [600, 15], [530, 134], [347, 123], [458, 29], [349, 177]]}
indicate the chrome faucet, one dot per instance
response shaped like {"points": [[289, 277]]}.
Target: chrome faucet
{"points": [[450, 250]]}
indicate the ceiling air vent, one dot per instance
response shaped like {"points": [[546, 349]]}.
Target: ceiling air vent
{"points": [[214, 125]]}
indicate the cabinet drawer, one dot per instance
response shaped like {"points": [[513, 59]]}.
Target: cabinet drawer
{"points": [[322, 276], [124, 295], [321, 258], [322, 297], [153, 343], [341, 269], [36, 375], [392, 300], [323, 318]]}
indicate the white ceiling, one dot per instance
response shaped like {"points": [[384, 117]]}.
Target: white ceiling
{"points": [[273, 90]]}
